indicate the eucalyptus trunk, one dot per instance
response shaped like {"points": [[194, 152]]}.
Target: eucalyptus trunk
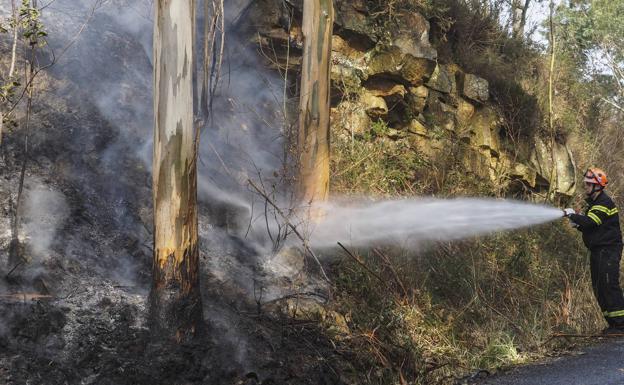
{"points": [[175, 300], [519, 10], [313, 141]]}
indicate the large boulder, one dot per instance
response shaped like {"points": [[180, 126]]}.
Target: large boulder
{"points": [[394, 62], [412, 36], [474, 88], [385, 88], [350, 116], [443, 79], [484, 125], [439, 114], [416, 70], [375, 106], [564, 168], [348, 68], [352, 18]]}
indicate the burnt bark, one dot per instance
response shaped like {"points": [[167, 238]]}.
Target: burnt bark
{"points": [[313, 138], [175, 300]]}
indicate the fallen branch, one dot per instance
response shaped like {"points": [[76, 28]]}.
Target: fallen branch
{"points": [[25, 296]]}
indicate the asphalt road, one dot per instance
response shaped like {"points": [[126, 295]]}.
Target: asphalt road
{"points": [[601, 364]]}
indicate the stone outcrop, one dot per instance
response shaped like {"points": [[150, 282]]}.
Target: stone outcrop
{"points": [[475, 88], [394, 75], [564, 169]]}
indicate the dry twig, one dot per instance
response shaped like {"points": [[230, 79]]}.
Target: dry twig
{"points": [[293, 227]]}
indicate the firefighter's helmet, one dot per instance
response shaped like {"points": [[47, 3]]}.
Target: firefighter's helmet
{"points": [[596, 176]]}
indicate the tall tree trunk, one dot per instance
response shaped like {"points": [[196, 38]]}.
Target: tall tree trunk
{"points": [[15, 35], [313, 141], [175, 300], [553, 183], [519, 10]]}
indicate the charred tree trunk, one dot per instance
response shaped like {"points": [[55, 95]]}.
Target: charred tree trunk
{"points": [[175, 300], [313, 141]]}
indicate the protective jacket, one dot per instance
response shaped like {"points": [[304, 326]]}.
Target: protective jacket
{"points": [[601, 223], [601, 233]]}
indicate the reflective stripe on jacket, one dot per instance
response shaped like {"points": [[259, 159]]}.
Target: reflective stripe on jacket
{"points": [[601, 223]]}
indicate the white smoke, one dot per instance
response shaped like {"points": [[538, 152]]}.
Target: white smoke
{"points": [[43, 213]]}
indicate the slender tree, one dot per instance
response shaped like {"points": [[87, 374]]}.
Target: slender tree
{"points": [[214, 31], [7, 88], [553, 183], [175, 300], [313, 141], [519, 10]]}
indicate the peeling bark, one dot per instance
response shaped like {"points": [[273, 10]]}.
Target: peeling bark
{"points": [[313, 141], [175, 301]]}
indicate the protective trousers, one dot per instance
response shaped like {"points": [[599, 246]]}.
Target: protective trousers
{"points": [[605, 275]]}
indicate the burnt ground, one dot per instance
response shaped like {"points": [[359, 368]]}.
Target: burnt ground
{"points": [[95, 336], [73, 310]]}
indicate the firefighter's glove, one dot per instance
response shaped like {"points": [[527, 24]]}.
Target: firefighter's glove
{"points": [[567, 212]]}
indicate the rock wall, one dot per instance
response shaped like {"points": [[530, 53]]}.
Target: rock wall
{"points": [[394, 75]]}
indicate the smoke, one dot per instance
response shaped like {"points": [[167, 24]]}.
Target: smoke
{"points": [[43, 213], [413, 221], [244, 140]]}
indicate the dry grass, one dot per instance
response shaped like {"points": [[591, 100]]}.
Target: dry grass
{"points": [[457, 308]]}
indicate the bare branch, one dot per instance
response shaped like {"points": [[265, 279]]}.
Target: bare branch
{"points": [[293, 227]]}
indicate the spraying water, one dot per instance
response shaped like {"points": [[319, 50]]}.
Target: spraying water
{"points": [[414, 220]]}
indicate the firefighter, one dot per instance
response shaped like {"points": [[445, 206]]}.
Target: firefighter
{"points": [[600, 225]]}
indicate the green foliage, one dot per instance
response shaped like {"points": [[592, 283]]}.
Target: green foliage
{"points": [[29, 27], [495, 301], [375, 164], [595, 25], [32, 27], [479, 304], [378, 129], [592, 41]]}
